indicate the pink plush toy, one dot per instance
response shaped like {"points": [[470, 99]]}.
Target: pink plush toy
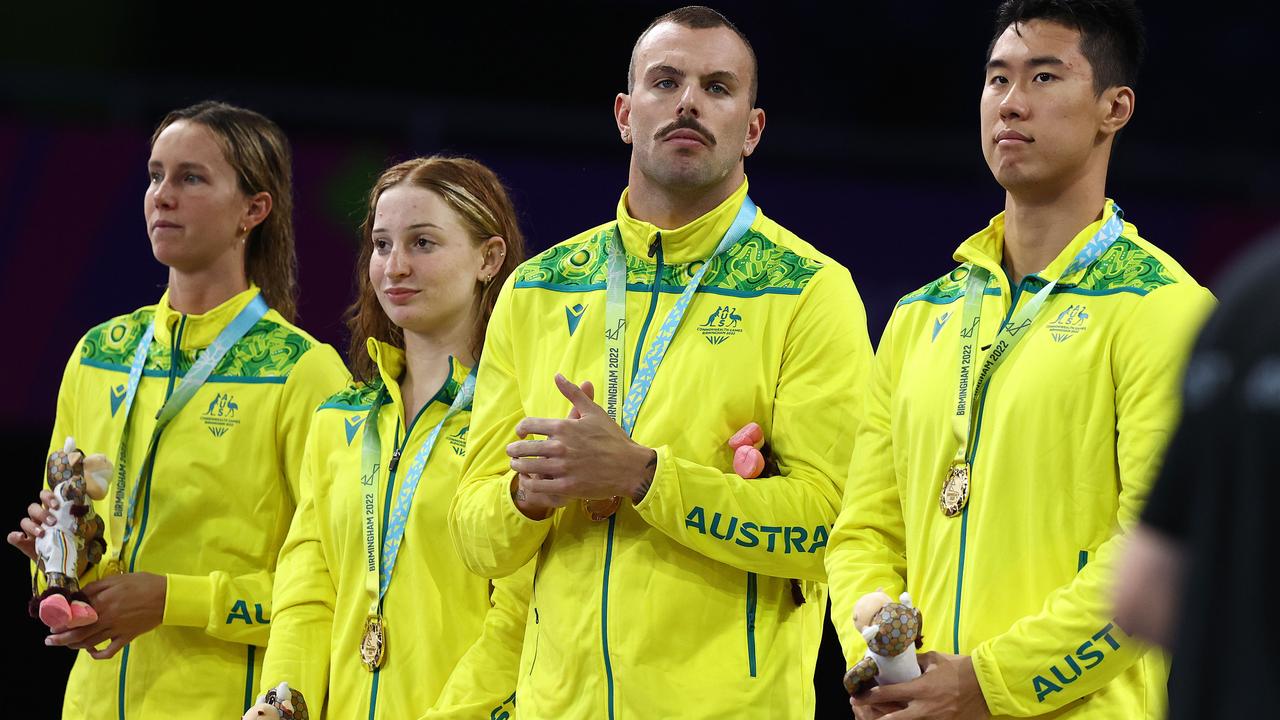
{"points": [[74, 543], [748, 461]]}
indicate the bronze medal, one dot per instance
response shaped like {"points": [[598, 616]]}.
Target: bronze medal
{"points": [[373, 645], [599, 510], [955, 490]]}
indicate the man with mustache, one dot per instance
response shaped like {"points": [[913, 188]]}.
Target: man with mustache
{"points": [[1021, 402], [667, 585]]}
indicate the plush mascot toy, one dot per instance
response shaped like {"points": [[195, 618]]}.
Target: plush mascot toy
{"points": [[892, 632], [280, 703], [75, 542]]}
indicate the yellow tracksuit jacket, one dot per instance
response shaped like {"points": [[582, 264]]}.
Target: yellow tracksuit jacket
{"points": [[453, 640], [1070, 432], [215, 508], [682, 605]]}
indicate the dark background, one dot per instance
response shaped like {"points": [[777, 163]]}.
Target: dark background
{"points": [[870, 152]]}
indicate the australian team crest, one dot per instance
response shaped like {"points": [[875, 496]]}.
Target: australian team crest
{"points": [[1069, 323], [221, 414], [724, 323], [459, 441]]}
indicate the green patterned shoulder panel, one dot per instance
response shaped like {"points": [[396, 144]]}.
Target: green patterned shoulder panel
{"points": [[267, 353], [568, 266], [114, 341], [1125, 267], [942, 291], [754, 265], [356, 396], [269, 349]]}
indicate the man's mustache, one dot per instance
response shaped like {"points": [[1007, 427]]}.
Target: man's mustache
{"points": [[686, 122]]}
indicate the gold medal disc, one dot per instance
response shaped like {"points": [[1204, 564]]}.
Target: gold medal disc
{"points": [[955, 490], [599, 510], [373, 645]]}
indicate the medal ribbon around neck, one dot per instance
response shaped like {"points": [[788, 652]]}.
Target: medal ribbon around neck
{"points": [[380, 566], [1009, 335], [615, 335], [121, 515]]}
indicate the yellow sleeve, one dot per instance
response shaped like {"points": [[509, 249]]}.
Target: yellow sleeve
{"points": [[782, 522], [868, 543], [1074, 626], [492, 536], [216, 600], [303, 595], [483, 684]]}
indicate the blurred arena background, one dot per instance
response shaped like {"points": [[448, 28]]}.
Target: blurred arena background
{"points": [[870, 152]]}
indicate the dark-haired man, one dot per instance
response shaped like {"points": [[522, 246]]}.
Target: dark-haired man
{"points": [[1020, 404], [668, 586]]}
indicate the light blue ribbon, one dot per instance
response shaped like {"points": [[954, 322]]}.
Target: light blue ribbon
{"points": [[653, 355], [371, 452], [195, 377]]}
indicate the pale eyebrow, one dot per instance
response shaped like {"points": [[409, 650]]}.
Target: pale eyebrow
{"points": [[664, 70], [182, 166], [415, 226], [723, 76]]}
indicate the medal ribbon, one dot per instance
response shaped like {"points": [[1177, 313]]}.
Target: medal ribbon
{"points": [[1011, 333], [121, 515], [379, 566], [615, 319]]}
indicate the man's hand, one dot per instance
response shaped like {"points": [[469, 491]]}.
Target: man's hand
{"points": [[584, 456], [127, 605], [948, 689]]}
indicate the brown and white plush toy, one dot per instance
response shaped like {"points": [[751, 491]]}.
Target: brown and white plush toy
{"points": [[75, 542], [280, 703], [892, 632]]}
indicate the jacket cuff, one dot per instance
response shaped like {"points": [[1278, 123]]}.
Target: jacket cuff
{"points": [[652, 499], [994, 688], [187, 600]]}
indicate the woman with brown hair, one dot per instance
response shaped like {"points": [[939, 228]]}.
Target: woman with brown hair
{"points": [[202, 402], [376, 616]]}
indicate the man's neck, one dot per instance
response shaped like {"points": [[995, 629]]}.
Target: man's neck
{"points": [[1038, 227], [198, 291], [670, 208]]}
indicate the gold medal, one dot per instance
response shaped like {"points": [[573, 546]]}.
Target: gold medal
{"points": [[599, 510], [373, 645], [111, 568], [955, 490]]}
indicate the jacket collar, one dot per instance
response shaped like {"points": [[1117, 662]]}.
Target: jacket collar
{"points": [[986, 248], [695, 241], [198, 331], [391, 365]]}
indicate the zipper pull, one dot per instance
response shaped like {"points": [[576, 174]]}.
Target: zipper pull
{"points": [[395, 460], [653, 246]]}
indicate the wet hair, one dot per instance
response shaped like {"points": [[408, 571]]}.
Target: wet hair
{"points": [[697, 17], [259, 153], [477, 195], [1112, 37]]}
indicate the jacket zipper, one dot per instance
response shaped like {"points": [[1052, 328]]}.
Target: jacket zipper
{"points": [[149, 462], [392, 466], [655, 249], [973, 454], [751, 623]]}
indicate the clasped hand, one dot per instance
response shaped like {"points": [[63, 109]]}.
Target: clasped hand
{"points": [[583, 456]]}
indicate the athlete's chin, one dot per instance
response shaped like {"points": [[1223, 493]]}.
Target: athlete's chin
{"points": [[176, 254]]}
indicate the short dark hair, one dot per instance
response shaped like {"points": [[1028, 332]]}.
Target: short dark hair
{"points": [[1112, 37], [697, 17]]}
